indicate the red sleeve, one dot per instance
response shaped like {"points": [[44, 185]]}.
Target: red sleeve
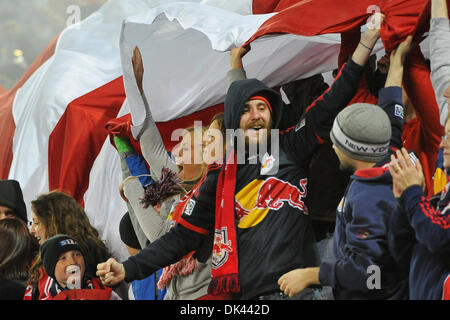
{"points": [[423, 138]]}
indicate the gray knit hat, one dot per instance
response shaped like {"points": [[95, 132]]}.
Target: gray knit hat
{"points": [[362, 131]]}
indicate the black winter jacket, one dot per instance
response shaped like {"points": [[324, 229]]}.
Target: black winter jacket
{"points": [[274, 232]]}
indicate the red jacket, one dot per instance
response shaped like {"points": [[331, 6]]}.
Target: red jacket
{"points": [[94, 290], [43, 290]]}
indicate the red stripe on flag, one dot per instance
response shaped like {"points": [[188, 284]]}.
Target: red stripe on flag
{"points": [[424, 135], [121, 126], [264, 6], [79, 136], [80, 133], [205, 116], [315, 17]]}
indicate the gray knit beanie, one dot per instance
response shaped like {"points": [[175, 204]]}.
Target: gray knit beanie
{"points": [[362, 131]]}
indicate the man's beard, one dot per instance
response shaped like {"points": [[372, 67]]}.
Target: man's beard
{"points": [[261, 138], [262, 134]]}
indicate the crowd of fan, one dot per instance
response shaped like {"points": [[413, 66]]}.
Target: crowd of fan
{"points": [[349, 201]]}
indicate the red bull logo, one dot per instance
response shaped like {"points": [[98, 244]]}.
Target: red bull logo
{"points": [[267, 164], [221, 248], [253, 202], [241, 212], [275, 192]]}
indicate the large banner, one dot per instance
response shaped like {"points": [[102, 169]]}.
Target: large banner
{"points": [[53, 121]]}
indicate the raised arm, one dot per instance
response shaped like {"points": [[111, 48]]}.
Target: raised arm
{"points": [[237, 71], [368, 40], [152, 145], [439, 54], [315, 127], [397, 63], [390, 97], [152, 222], [439, 9]]}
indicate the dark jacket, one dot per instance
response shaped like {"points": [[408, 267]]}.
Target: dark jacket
{"points": [[11, 196], [12, 289], [362, 225], [361, 241], [420, 237], [274, 233]]}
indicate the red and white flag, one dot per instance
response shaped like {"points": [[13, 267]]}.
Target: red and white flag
{"points": [[52, 123]]}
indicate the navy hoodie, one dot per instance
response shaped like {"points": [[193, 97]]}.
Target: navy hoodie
{"points": [[360, 243], [420, 237]]}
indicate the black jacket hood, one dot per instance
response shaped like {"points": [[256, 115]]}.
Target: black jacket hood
{"points": [[240, 92], [11, 196]]}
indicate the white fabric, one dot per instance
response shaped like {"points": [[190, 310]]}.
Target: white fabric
{"points": [[192, 74], [184, 47], [86, 57]]}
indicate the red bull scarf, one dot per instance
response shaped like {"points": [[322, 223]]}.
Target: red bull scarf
{"points": [[225, 274], [93, 290]]}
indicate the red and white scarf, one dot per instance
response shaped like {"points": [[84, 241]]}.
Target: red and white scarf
{"points": [[187, 264]]}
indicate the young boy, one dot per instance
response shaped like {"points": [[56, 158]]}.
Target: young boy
{"points": [[63, 260]]}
